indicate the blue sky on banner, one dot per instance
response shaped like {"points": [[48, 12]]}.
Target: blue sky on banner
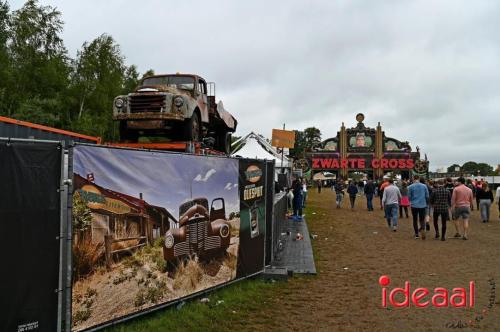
{"points": [[165, 180]]}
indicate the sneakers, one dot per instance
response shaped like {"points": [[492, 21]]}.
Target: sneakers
{"points": [[436, 236], [464, 237], [457, 235], [443, 239], [394, 228], [417, 237]]}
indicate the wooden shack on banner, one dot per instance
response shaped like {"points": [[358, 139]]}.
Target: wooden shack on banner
{"points": [[119, 215]]}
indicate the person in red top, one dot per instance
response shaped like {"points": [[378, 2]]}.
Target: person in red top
{"points": [[461, 202]]}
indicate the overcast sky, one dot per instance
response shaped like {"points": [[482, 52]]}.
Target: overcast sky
{"points": [[429, 71]]}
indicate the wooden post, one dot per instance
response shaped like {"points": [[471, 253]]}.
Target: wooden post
{"points": [[108, 240]]}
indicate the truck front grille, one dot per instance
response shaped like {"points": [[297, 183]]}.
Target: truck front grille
{"points": [[197, 233], [147, 103]]}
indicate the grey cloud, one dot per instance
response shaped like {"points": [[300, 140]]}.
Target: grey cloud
{"points": [[429, 71]]}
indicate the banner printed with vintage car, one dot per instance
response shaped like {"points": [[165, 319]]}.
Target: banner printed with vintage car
{"points": [[252, 216], [150, 228]]}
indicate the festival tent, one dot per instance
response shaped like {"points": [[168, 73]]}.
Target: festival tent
{"points": [[256, 146]]}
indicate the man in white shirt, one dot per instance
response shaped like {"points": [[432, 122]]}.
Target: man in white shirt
{"points": [[390, 201]]}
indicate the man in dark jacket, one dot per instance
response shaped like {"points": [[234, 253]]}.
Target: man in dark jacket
{"points": [[369, 192], [441, 202], [297, 199], [353, 191]]}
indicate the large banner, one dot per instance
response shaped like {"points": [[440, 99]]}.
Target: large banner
{"points": [[149, 228], [252, 216], [153, 227], [30, 213]]}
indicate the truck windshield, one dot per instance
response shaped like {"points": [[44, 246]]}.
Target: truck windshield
{"points": [[179, 82]]}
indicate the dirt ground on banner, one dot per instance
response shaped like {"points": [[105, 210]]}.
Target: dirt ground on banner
{"points": [[354, 248]]}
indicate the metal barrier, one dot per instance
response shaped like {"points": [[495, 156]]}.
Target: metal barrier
{"points": [[279, 217]]}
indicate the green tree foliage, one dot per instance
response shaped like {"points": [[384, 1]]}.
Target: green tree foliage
{"points": [[98, 77], [39, 64], [305, 141], [473, 168], [452, 168], [312, 137], [299, 148], [41, 84], [4, 56]]}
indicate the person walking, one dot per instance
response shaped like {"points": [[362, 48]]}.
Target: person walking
{"points": [[390, 200], [441, 202], [461, 202], [381, 191], [478, 188], [418, 196], [405, 201], [304, 192], [352, 190], [320, 185], [297, 199], [369, 190], [339, 192], [485, 196]]}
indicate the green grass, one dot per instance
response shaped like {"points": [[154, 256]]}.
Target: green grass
{"points": [[240, 302]]}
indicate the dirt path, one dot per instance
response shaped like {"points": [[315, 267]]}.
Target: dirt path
{"points": [[354, 248]]}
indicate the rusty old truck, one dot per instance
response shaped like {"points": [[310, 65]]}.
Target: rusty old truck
{"points": [[179, 107], [201, 232]]}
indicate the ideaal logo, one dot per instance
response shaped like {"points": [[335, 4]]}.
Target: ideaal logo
{"points": [[423, 297], [253, 174]]}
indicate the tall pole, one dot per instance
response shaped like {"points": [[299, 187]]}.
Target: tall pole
{"points": [[282, 152]]}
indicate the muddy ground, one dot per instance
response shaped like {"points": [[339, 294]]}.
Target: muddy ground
{"points": [[354, 248]]}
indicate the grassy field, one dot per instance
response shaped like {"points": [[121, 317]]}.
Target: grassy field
{"points": [[227, 309]]}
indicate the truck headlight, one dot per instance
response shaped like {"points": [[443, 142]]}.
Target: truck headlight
{"points": [[119, 102], [169, 240], [224, 230], [178, 101]]}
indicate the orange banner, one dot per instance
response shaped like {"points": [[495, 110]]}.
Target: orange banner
{"points": [[283, 138]]}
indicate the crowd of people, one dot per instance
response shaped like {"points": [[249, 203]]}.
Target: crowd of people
{"points": [[441, 200]]}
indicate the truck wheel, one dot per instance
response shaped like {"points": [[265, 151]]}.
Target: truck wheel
{"points": [[224, 142], [127, 135], [192, 130]]}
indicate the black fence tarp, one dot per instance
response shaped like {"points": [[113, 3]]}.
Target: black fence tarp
{"points": [[269, 210], [30, 224]]}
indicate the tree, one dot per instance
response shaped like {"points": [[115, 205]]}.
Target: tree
{"points": [[38, 63], [312, 136], [131, 79], [298, 150], [453, 168], [4, 55], [470, 167], [484, 169], [98, 77]]}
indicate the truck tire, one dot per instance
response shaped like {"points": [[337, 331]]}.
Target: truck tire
{"points": [[192, 129], [127, 135], [224, 142]]}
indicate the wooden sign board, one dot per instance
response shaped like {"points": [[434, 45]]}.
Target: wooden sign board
{"points": [[283, 138]]}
